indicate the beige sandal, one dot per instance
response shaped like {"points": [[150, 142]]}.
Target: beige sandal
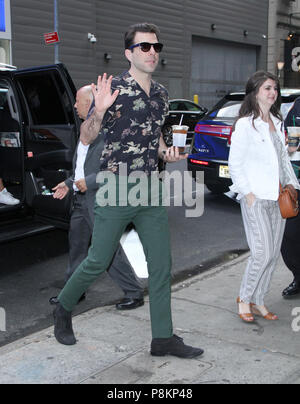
{"points": [[246, 317], [269, 316]]}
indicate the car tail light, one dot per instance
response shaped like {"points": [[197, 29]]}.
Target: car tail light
{"points": [[199, 162], [215, 130]]}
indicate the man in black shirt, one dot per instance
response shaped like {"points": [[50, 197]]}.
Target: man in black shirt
{"points": [[83, 185], [129, 113]]}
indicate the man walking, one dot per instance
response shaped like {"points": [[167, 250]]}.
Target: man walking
{"points": [[83, 184], [129, 113], [290, 253]]}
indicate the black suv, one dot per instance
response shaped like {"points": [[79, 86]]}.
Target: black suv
{"points": [[39, 130]]}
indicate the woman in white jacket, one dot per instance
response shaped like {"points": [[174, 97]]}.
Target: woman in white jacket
{"points": [[258, 162]]}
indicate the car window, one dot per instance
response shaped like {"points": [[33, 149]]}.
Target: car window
{"points": [[229, 110], [3, 99], [173, 106], [192, 107], [177, 106], [9, 119], [47, 100], [285, 108], [184, 106]]}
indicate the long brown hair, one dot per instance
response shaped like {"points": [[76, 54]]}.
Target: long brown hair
{"points": [[250, 105]]}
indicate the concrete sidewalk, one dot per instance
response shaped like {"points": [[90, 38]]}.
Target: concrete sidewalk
{"points": [[113, 347]]}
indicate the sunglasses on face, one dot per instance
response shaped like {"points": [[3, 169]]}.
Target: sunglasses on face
{"points": [[146, 46]]}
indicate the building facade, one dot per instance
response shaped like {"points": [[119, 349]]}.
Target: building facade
{"points": [[211, 47], [284, 41]]}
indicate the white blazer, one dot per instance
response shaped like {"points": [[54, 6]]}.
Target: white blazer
{"points": [[253, 161]]}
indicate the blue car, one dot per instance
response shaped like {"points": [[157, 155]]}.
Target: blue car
{"points": [[211, 142]]}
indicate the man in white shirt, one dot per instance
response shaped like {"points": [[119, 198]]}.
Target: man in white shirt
{"points": [[83, 183], [82, 152]]}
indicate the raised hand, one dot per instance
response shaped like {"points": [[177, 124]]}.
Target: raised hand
{"points": [[104, 98]]}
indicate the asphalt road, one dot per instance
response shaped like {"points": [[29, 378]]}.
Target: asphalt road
{"points": [[32, 269]]}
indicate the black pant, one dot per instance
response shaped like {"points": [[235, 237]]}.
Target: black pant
{"points": [[290, 246], [81, 229]]}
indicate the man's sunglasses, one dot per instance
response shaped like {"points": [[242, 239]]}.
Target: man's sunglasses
{"points": [[146, 46]]}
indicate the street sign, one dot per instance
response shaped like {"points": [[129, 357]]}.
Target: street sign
{"points": [[51, 38]]}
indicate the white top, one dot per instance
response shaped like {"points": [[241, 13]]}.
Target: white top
{"points": [[253, 161], [81, 157]]}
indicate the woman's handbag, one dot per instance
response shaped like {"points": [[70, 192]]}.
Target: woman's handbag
{"points": [[288, 201]]}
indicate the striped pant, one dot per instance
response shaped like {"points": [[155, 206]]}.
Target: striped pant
{"points": [[264, 229]]}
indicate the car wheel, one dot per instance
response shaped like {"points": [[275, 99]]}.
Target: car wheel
{"points": [[217, 189], [168, 135]]}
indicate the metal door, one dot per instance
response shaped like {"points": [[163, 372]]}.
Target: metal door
{"points": [[219, 67]]}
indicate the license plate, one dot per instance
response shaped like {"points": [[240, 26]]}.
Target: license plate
{"points": [[224, 172]]}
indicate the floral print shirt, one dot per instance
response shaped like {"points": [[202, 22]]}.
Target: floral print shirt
{"points": [[132, 126]]}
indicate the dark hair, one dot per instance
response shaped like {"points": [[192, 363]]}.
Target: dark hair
{"points": [[250, 105], [142, 27]]}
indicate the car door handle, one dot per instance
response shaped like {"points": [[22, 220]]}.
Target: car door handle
{"points": [[38, 136]]}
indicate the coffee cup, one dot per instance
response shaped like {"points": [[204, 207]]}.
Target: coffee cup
{"points": [[293, 137], [180, 136]]}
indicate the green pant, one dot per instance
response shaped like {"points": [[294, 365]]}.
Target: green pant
{"points": [[151, 223]]}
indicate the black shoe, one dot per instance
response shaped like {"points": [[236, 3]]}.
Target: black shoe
{"points": [[129, 304], [54, 300], [63, 329], [292, 290], [174, 346]]}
